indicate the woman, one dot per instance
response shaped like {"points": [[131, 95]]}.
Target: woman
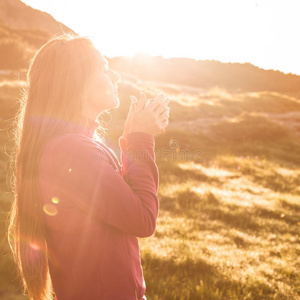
{"points": [[77, 212]]}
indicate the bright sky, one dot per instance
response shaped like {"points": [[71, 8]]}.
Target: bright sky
{"points": [[262, 32]]}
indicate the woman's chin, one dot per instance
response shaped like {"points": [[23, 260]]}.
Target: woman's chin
{"points": [[117, 102], [114, 104]]}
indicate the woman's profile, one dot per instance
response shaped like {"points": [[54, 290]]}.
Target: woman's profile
{"points": [[77, 211]]}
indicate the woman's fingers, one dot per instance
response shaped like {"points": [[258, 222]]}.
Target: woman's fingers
{"points": [[163, 124], [133, 99], [150, 116], [142, 102], [165, 114], [162, 107], [162, 113], [158, 104], [134, 102], [156, 101], [166, 101], [128, 120], [143, 96]]}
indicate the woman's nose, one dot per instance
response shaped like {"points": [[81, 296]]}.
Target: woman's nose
{"points": [[114, 76]]}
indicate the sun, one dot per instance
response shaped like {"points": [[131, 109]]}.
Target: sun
{"points": [[260, 32]]}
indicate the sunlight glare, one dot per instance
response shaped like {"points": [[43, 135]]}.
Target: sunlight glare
{"points": [[55, 200], [260, 32], [50, 210], [34, 246]]}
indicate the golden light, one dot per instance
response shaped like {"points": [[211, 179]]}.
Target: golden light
{"points": [[34, 246], [259, 32], [55, 200], [50, 210]]}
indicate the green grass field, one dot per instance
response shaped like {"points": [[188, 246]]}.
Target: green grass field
{"points": [[229, 220]]}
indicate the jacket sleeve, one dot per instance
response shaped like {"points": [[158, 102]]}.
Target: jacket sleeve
{"points": [[136, 148], [127, 201]]}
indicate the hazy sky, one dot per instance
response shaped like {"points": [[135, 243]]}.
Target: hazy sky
{"points": [[262, 32]]}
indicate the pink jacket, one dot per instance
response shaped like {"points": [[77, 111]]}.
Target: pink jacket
{"points": [[94, 211]]}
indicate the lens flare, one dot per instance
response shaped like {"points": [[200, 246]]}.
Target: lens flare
{"points": [[50, 209], [55, 200], [34, 246]]}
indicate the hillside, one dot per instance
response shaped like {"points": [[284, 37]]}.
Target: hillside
{"points": [[229, 165], [18, 46], [234, 77], [23, 30], [18, 15], [229, 168]]}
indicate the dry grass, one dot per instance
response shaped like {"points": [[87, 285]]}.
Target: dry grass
{"points": [[229, 219], [223, 235]]}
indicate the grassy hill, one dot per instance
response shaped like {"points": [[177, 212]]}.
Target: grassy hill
{"points": [[23, 30], [229, 163], [18, 15], [18, 46], [229, 193], [234, 77]]}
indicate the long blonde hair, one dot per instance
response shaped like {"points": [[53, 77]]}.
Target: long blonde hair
{"points": [[57, 79]]}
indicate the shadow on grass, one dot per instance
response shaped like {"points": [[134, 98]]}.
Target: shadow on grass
{"points": [[194, 280], [170, 171], [277, 182], [276, 215], [289, 206], [275, 174], [207, 206]]}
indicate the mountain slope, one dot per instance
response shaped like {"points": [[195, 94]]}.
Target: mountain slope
{"points": [[18, 15], [23, 30], [234, 77]]}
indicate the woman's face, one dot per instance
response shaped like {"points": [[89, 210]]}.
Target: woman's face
{"points": [[103, 91]]}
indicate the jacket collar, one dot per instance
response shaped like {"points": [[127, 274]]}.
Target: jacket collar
{"points": [[86, 127]]}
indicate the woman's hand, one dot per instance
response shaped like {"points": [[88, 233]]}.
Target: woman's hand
{"points": [[127, 125], [151, 117]]}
